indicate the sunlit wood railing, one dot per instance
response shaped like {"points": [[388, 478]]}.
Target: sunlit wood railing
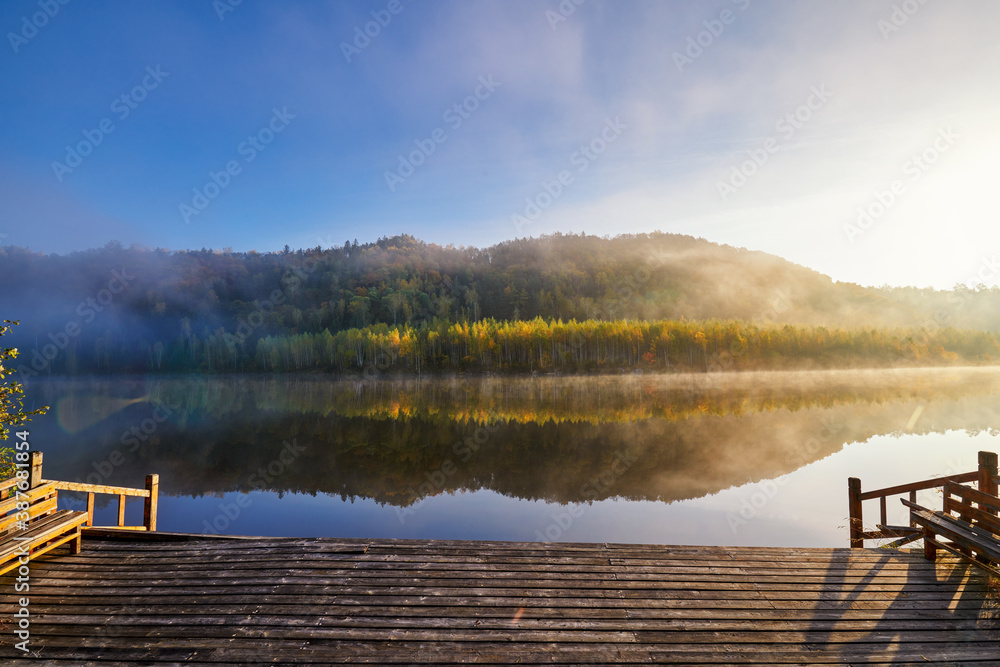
{"points": [[150, 494], [7, 487], [31, 523], [985, 476]]}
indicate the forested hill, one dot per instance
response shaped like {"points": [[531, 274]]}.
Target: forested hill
{"points": [[135, 309]]}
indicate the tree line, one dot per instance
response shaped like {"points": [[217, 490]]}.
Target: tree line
{"points": [[541, 345]]}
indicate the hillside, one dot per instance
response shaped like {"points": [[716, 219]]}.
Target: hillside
{"points": [[134, 310]]}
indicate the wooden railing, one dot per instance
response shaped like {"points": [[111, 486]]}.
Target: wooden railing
{"points": [[985, 476], [7, 487], [150, 493], [31, 523]]}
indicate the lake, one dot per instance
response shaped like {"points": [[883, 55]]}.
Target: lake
{"points": [[712, 459]]}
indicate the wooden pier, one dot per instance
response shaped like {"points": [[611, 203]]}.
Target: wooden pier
{"points": [[155, 598]]}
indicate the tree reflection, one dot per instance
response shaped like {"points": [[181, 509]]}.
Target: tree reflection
{"points": [[543, 438]]}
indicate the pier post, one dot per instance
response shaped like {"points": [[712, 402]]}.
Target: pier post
{"points": [[149, 509], [987, 472], [854, 511], [35, 470]]}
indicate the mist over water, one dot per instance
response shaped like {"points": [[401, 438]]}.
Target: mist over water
{"points": [[737, 458]]}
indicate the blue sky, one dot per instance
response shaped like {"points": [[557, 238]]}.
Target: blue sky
{"points": [[759, 124]]}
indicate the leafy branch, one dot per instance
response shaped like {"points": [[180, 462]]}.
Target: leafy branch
{"points": [[12, 413]]}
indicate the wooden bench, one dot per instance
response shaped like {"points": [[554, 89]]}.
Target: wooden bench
{"points": [[31, 523], [968, 521]]}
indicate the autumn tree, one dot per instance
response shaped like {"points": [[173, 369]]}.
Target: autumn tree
{"points": [[12, 412]]}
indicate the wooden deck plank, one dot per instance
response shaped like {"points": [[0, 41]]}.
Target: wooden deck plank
{"points": [[371, 585], [667, 602], [692, 638], [637, 606], [313, 568], [361, 568], [692, 557], [502, 596], [403, 614], [568, 580], [521, 549], [124, 625], [249, 651], [96, 560]]}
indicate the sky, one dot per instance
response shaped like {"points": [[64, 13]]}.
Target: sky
{"points": [[858, 138]]}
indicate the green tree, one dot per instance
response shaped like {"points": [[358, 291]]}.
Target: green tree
{"points": [[12, 412]]}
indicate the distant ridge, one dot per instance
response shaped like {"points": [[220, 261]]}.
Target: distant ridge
{"points": [[121, 309]]}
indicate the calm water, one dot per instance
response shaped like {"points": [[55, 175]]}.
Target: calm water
{"points": [[746, 459]]}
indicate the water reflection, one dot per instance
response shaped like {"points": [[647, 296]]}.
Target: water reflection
{"points": [[561, 440]]}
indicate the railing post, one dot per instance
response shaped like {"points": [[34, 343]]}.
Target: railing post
{"points": [[930, 549], [90, 509], [149, 511], [121, 510], [35, 470], [947, 505], [987, 471], [854, 511]]}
